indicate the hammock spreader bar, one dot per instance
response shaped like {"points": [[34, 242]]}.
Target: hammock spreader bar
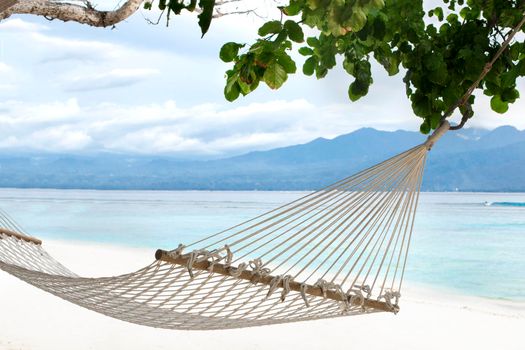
{"points": [[247, 275], [20, 236]]}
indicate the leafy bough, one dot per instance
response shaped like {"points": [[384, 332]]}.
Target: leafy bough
{"points": [[442, 51]]}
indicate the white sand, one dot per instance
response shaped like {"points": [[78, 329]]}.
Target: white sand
{"points": [[32, 319]]}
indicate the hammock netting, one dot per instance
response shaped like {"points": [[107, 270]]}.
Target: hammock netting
{"points": [[338, 251]]}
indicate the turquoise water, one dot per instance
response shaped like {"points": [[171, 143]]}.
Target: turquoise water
{"points": [[473, 243]]}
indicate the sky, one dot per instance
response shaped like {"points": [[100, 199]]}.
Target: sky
{"points": [[151, 89]]}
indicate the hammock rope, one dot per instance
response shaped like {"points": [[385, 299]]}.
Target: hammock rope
{"points": [[335, 252], [338, 251]]}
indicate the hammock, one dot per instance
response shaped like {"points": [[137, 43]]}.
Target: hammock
{"points": [[338, 251]]}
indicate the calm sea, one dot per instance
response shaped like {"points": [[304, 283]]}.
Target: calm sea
{"points": [[473, 243]]}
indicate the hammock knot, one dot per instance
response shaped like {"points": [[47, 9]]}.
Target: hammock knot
{"points": [[177, 253], [325, 286], [189, 264], [198, 255], [229, 256], [237, 271], [389, 296], [212, 258], [356, 296], [274, 283], [286, 286], [303, 289], [258, 270], [346, 300], [366, 288]]}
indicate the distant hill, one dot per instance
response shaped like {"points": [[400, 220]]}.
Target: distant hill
{"points": [[467, 160]]}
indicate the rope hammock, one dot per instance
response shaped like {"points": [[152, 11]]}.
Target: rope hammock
{"points": [[338, 251]]}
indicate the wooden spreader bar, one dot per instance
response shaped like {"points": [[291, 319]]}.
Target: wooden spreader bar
{"points": [[20, 236], [221, 269]]}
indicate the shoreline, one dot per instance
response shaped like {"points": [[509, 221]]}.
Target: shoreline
{"points": [[33, 319]]}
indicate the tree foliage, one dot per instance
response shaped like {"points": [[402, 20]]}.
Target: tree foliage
{"points": [[441, 52], [204, 7]]}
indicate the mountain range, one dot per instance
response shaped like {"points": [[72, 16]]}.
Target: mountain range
{"points": [[465, 160]]}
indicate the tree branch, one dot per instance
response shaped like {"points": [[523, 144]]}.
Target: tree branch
{"points": [[71, 12], [6, 4], [87, 14]]}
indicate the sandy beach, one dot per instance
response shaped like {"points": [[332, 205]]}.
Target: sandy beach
{"points": [[32, 319]]}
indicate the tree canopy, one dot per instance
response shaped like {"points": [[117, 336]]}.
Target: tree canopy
{"points": [[442, 52]]}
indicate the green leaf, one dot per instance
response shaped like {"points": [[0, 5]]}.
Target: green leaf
{"points": [[232, 93], [293, 9], [349, 66], [147, 5], [192, 5], [244, 87], [510, 95], [287, 63], [309, 66], [358, 19], [321, 72], [275, 75], [206, 15], [313, 4], [377, 4], [421, 105], [379, 28], [438, 12], [498, 105], [232, 89], [452, 18], [295, 32], [306, 51], [312, 41], [357, 90], [271, 27], [435, 120], [424, 128], [176, 6], [229, 51], [433, 61]]}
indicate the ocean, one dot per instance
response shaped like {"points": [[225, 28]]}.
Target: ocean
{"points": [[471, 243]]}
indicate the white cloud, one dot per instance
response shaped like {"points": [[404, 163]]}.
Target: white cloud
{"points": [[13, 113], [5, 68], [114, 78], [61, 138], [55, 139], [206, 130], [19, 25], [7, 87]]}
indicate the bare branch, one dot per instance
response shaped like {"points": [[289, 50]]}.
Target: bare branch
{"points": [[84, 12], [6, 4], [218, 13], [71, 12]]}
